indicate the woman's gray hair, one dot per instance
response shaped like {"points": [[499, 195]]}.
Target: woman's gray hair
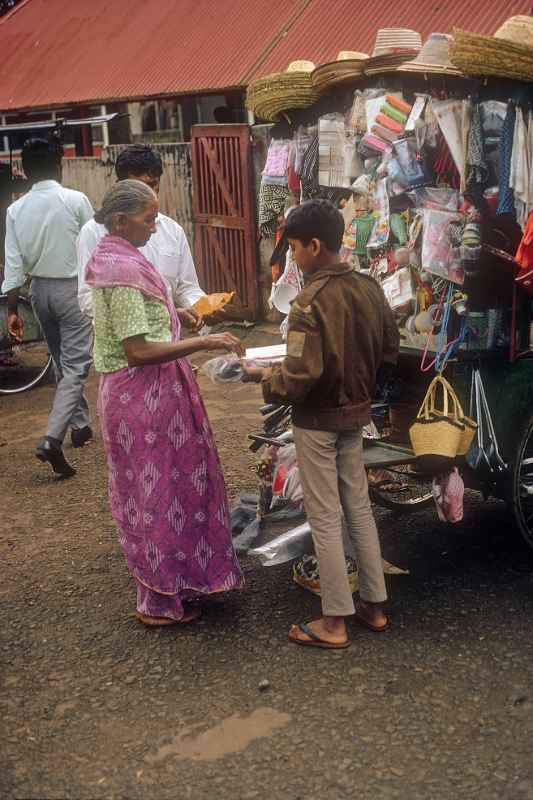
{"points": [[126, 197]]}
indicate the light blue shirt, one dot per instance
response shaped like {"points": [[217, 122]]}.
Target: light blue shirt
{"points": [[41, 232]]}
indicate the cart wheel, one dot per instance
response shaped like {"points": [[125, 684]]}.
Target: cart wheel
{"points": [[22, 366], [402, 490], [522, 486]]}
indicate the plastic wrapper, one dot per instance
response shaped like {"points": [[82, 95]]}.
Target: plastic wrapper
{"points": [[223, 369]]}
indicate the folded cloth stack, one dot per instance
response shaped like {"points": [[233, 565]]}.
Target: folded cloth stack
{"points": [[390, 123]]}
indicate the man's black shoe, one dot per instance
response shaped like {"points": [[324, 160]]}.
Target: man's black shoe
{"points": [[80, 436], [47, 450]]}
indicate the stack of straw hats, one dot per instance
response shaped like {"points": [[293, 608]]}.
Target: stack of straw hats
{"points": [[507, 54], [348, 67], [434, 58], [393, 47], [267, 97]]}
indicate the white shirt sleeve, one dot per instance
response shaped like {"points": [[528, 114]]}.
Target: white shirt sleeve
{"points": [[187, 287], [85, 245], [85, 210], [14, 276]]}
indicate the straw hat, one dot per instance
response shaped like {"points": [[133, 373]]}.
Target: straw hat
{"points": [[433, 58], [393, 47], [269, 96], [507, 54], [348, 67]]}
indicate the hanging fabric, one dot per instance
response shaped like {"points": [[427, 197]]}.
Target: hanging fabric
{"points": [[476, 168], [506, 195]]}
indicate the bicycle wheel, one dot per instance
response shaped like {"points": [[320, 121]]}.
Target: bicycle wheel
{"points": [[401, 490], [22, 366]]}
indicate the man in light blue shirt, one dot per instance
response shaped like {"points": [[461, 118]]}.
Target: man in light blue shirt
{"points": [[41, 231]]}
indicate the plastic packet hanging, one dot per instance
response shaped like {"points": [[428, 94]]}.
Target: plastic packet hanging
{"points": [[381, 231], [440, 253], [440, 198], [412, 164], [448, 492], [223, 369], [331, 151]]}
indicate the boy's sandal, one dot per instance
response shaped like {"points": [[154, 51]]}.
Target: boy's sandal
{"points": [[314, 640], [366, 624]]}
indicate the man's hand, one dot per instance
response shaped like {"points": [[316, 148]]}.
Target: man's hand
{"points": [[190, 318], [15, 326], [255, 374]]}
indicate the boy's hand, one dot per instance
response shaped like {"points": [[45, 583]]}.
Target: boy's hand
{"points": [[255, 374]]}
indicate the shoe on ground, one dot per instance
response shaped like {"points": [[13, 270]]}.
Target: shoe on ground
{"points": [[80, 436], [49, 450]]}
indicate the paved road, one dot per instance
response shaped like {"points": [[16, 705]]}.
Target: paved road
{"points": [[96, 706]]}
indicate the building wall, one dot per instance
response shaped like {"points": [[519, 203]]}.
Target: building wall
{"points": [[95, 177]]}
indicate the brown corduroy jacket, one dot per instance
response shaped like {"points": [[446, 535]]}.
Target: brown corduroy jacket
{"points": [[341, 330]]}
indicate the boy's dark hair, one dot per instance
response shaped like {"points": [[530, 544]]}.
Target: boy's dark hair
{"points": [[138, 159], [41, 159], [316, 219]]}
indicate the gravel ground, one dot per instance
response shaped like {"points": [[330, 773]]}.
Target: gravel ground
{"points": [[95, 706]]}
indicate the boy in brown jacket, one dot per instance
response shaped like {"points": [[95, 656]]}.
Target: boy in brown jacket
{"points": [[341, 331]]}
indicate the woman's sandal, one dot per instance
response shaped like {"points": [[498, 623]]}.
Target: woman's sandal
{"points": [[314, 640], [157, 622]]}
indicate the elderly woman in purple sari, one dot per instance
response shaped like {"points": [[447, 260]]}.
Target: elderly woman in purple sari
{"points": [[166, 487]]}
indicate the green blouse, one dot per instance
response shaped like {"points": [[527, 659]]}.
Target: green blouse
{"points": [[122, 312]]}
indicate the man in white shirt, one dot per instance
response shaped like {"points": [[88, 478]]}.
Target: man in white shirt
{"points": [[167, 249], [41, 231]]}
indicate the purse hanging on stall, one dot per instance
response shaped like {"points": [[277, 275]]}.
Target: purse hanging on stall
{"points": [[437, 435]]}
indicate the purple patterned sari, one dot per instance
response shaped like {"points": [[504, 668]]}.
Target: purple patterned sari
{"points": [[166, 486]]}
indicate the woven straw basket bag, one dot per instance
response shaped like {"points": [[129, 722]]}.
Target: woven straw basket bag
{"points": [[440, 434]]}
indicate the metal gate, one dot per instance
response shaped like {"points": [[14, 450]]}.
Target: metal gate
{"points": [[224, 213]]}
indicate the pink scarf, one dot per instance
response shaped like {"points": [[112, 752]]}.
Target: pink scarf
{"points": [[116, 262]]}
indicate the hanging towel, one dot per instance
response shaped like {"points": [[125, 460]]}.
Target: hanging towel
{"points": [[277, 158], [519, 173], [506, 196]]}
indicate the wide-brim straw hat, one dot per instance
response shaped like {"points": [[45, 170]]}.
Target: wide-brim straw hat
{"points": [[434, 58], [348, 67], [507, 54], [267, 97], [393, 47]]}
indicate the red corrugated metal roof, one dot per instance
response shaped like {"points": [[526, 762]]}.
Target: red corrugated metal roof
{"points": [[57, 52]]}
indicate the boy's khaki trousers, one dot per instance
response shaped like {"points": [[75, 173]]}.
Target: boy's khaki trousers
{"points": [[333, 476]]}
